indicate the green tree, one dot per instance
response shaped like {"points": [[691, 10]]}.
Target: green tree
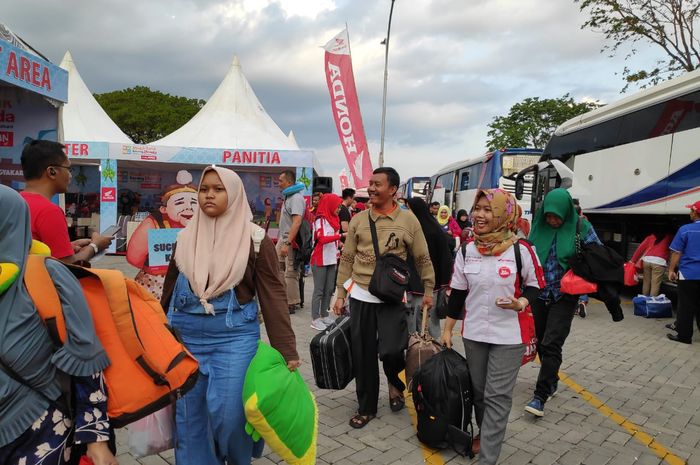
{"points": [[146, 115], [530, 123], [668, 25]]}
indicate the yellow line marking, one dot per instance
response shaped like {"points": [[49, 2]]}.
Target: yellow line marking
{"points": [[632, 429], [431, 456]]}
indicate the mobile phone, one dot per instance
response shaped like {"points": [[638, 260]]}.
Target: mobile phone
{"points": [[111, 231], [503, 300]]}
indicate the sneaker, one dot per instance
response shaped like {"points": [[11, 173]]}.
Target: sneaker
{"points": [[328, 320], [581, 309], [554, 391], [535, 407], [318, 325]]}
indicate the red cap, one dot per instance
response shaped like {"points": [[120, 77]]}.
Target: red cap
{"points": [[695, 206]]}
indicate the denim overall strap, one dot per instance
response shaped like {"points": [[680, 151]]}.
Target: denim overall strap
{"points": [[179, 282], [232, 302]]}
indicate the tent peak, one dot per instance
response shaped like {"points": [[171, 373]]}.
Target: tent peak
{"points": [[67, 58]]}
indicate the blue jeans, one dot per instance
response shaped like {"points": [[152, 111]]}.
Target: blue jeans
{"points": [[209, 420]]}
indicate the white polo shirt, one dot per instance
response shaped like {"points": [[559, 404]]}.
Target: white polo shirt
{"points": [[487, 278]]}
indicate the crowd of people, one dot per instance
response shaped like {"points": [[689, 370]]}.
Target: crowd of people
{"points": [[224, 272]]}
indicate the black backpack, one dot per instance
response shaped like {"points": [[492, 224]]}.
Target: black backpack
{"points": [[305, 245], [442, 396]]}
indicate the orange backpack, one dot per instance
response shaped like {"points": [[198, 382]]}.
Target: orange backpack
{"points": [[150, 367]]}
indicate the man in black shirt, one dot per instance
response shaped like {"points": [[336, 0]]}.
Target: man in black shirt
{"points": [[434, 207], [344, 212]]}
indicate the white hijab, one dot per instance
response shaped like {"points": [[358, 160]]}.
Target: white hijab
{"points": [[213, 252]]}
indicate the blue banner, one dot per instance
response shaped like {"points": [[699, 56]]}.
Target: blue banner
{"points": [[160, 245], [32, 73]]}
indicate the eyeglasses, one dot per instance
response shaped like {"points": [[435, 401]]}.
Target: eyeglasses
{"points": [[60, 166]]}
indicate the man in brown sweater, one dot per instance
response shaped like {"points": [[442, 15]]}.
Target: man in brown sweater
{"points": [[376, 326]]}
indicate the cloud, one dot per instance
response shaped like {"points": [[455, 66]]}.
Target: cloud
{"points": [[453, 64]]}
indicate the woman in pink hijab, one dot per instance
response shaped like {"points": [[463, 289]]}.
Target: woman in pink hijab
{"points": [[212, 289]]}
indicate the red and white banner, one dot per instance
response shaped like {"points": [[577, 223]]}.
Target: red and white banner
{"points": [[346, 108], [343, 178]]}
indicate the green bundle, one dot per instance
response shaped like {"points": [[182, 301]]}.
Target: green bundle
{"points": [[280, 408]]}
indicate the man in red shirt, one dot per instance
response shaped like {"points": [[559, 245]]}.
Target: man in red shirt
{"points": [[47, 172]]}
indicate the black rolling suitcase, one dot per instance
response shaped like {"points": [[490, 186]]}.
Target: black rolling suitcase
{"points": [[331, 358]]}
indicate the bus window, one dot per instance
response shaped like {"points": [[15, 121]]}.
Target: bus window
{"points": [[515, 163], [445, 181], [419, 187], [464, 181], [469, 177]]}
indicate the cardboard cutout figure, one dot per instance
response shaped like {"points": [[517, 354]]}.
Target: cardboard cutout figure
{"points": [[178, 204]]}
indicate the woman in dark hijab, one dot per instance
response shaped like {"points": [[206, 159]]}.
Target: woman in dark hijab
{"points": [[463, 219], [441, 254], [35, 426]]}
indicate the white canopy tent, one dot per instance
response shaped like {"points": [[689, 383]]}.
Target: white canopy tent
{"points": [[83, 119], [232, 117]]}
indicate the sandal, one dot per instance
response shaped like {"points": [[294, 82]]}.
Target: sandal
{"points": [[359, 421], [397, 403]]}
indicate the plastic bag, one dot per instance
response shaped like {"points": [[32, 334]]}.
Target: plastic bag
{"points": [[575, 285], [152, 434], [630, 274]]}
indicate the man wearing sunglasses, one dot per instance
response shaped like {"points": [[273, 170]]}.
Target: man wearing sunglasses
{"points": [[47, 172]]}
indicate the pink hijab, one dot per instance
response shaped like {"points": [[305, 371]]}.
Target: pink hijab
{"points": [[213, 252]]}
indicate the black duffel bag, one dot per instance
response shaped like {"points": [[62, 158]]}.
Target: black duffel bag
{"points": [[391, 273]]}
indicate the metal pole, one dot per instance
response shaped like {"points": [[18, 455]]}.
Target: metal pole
{"points": [[386, 76]]}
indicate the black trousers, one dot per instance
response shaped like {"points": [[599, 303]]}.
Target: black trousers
{"points": [[552, 326], [376, 329], [688, 308]]}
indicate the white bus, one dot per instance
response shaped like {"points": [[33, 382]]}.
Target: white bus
{"points": [[456, 185], [413, 187], [632, 164]]}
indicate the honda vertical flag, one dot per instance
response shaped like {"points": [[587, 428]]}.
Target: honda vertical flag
{"points": [[343, 178], [346, 108]]}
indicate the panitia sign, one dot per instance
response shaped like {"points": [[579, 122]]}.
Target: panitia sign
{"points": [[238, 157], [207, 156]]}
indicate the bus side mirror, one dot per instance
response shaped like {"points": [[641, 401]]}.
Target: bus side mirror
{"points": [[519, 186]]}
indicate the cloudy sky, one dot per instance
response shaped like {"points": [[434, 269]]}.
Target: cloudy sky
{"points": [[453, 64]]}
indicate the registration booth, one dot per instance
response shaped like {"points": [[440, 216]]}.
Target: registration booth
{"points": [[128, 181]]}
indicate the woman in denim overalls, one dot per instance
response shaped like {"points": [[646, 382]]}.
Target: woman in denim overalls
{"points": [[210, 294]]}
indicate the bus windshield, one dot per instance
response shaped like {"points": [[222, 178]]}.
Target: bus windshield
{"points": [[420, 186], [516, 162]]}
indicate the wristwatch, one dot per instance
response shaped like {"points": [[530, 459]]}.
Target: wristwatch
{"points": [[94, 247]]}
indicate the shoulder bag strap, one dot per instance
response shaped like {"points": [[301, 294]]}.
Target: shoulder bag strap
{"points": [[577, 242], [115, 290], [519, 263], [373, 229], [45, 297]]}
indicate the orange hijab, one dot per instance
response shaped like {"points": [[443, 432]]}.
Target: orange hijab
{"points": [[505, 215], [213, 252]]}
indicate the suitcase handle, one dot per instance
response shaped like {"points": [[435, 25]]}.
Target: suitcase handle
{"points": [[424, 323]]}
